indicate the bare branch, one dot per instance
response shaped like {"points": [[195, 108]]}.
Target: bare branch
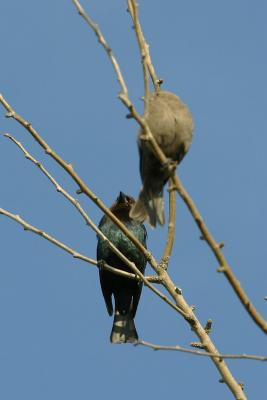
{"points": [[216, 249], [171, 227], [28, 227], [202, 353], [143, 46], [83, 187], [123, 96], [166, 281], [134, 14], [89, 222], [103, 42]]}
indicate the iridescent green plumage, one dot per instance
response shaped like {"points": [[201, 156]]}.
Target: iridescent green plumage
{"points": [[126, 292]]}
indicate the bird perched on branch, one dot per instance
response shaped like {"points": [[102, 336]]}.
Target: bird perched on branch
{"points": [[126, 292], [171, 124]]}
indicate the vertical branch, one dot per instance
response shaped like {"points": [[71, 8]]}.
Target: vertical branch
{"points": [[132, 8], [143, 46], [171, 226]]}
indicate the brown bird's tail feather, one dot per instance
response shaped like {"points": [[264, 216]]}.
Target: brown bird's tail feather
{"points": [[149, 206], [123, 330]]}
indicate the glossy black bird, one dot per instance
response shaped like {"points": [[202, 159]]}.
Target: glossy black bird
{"points": [[126, 292], [171, 124]]}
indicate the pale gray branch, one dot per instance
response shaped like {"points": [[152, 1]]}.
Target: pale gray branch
{"points": [[202, 353]]}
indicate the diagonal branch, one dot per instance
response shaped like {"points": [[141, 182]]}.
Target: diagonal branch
{"points": [[90, 223], [28, 227], [83, 187], [40, 232], [216, 249], [103, 42]]}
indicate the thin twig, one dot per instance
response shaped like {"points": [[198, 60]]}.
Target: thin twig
{"points": [[216, 249], [201, 353], [134, 14], [143, 46], [42, 233], [103, 42]]}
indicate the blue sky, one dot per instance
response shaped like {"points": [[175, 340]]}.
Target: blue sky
{"points": [[54, 337]]}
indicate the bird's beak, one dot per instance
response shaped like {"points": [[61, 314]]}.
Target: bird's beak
{"points": [[122, 198]]}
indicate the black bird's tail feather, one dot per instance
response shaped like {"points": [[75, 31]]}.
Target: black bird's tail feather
{"points": [[123, 330]]}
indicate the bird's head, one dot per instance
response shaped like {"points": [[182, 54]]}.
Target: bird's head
{"points": [[122, 205]]}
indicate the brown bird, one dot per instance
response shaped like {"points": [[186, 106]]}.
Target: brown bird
{"points": [[171, 124]]}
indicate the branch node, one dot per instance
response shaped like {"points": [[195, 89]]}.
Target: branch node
{"points": [[197, 345], [221, 269], [164, 263], [101, 264], [190, 320], [171, 188], [10, 114], [208, 326], [178, 290]]}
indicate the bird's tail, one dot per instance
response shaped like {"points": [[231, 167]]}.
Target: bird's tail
{"points": [[149, 205], [123, 330]]}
